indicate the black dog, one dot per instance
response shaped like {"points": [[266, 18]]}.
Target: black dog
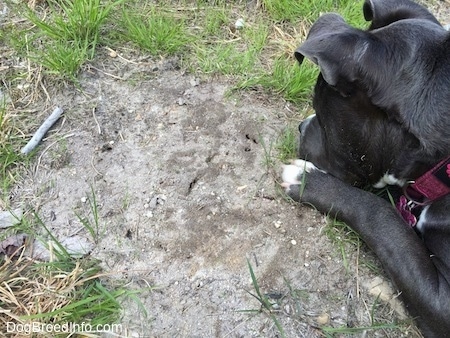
{"points": [[382, 105]]}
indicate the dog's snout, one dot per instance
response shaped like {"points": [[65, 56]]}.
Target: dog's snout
{"points": [[304, 124]]}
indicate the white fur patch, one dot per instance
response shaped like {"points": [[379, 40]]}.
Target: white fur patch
{"points": [[389, 179], [292, 173], [422, 218]]}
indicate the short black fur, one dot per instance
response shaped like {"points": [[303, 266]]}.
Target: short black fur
{"points": [[382, 105]]}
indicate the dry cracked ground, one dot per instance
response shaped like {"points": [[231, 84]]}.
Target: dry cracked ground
{"points": [[185, 177]]}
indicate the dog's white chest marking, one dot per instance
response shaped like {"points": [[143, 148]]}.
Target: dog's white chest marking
{"points": [[422, 218], [389, 179]]}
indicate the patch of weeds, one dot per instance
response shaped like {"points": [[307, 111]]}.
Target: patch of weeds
{"points": [[281, 73], [226, 50], [58, 293], [213, 21], [298, 296], [375, 325], [287, 144], [343, 237], [226, 59], [334, 331], [9, 155], [70, 34], [64, 290], [155, 31], [256, 35], [266, 305], [268, 156], [310, 10], [15, 37], [294, 83], [91, 221], [291, 10]]}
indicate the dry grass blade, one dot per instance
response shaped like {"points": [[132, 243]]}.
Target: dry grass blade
{"points": [[45, 292]]}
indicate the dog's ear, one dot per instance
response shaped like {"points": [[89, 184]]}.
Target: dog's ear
{"points": [[335, 47], [385, 12]]}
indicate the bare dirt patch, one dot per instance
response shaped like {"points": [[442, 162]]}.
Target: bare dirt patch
{"points": [[186, 197]]}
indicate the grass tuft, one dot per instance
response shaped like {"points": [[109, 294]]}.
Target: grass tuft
{"points": [[10, 142], [294, 83], [287, 144], [155, 31], [59, 292], [70, 35], [290, 10], [91, 221], [310, 10], [266, 305]]}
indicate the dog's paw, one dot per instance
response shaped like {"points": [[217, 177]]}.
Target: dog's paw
{"points": [[293, 173]]}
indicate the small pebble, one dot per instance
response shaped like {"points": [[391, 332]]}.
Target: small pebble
{"points": [[194, 82], [287, 309], [294, 242], [323, 319], [240, 23]]}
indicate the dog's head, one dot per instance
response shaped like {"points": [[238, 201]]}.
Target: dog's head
{"points": [[353, 135]]}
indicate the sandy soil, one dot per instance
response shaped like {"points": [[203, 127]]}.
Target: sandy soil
{"points": [[185, 198]]}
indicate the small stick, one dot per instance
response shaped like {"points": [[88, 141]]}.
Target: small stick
{"points": [[96, 121], [39, 135]]}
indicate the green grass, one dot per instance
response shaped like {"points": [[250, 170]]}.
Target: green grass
{"points": [[343, 238], [346, 240], [10, 159], [294, 10], [69, 36], [91, 219], [287, 79], [214, 19], [266, 306], [310, 10], [337, 332], [155, 31], [287, 144], [62, 290]]}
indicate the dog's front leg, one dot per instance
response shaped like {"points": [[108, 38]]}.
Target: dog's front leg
{"points": [[423, 287]]}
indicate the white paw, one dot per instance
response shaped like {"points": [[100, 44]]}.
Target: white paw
{"points": [[292, 173]]}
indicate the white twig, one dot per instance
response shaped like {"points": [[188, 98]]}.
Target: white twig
{"points": [[38, 136]]}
